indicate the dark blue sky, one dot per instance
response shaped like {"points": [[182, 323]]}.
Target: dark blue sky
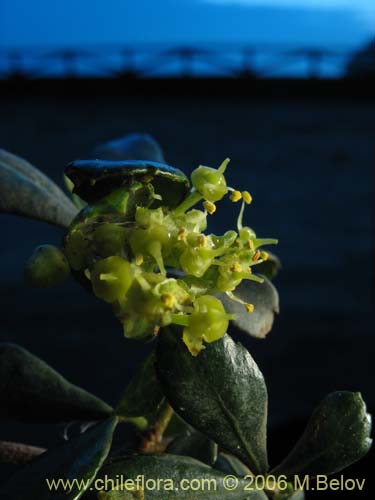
{"points": [[87, 22]]}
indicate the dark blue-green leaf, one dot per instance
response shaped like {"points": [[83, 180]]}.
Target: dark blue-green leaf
{"points": [[26, 191], [337, 435], [265, 299], [130, 147], [193, 443], [78, 459], [170, 470], [30, 390], [221, 392], [143, 396], [231, 464], [95, 179]]}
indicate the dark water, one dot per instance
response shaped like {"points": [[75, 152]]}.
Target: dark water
{"points": [[309, 167]]}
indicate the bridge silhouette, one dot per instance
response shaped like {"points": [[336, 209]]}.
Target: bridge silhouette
{"points": [[152, 60]]}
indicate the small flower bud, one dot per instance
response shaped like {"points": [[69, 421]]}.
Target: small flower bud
{"points": [[47, 267]]}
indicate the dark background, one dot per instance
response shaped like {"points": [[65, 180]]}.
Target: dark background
{"points": [[309, 165], [304, 148]]}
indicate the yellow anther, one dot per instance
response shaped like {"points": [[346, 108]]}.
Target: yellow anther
{"points": [[139, 259], [249, 244], [247, 198], [209, 206], [182, 233], [201, 240], [264, 255], [168, 300], [249, 308], [235, 196], [256, 256], [236, 268]]}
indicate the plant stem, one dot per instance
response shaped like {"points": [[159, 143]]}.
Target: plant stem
{"points": [[154, 441], [193, 198], [163, 421]]}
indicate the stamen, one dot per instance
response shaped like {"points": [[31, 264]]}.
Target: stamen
{"points": [[182, 234], [249, 244], [256, 256], [209, 206], [240, 217], [249, 308], [139, 259], [235, 196], [168, 300], [247, 197], [236, 268], [264, 255], [202, 241]]}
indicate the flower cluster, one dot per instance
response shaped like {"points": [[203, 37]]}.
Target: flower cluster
{"points": [[157, 266]]}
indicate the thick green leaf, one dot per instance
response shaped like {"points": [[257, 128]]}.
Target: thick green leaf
{"points": [[170, 470], [26, 191], [337, 435], [230, 463], [30, 390], [265, 299], [194, 444], [35, 175], [96, 179], [79, 459], [130, 147], [143, 396], [221, 392], [270, 267]]}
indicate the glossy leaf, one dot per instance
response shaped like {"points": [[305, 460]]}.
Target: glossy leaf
{"points": [[170, 470], [130, 147], [194, 444], [265, 299], [143, 395], [35, 175], [26, 191], [30, 390], [79, 458], [221, 392], [270, 267], [337, 435], [94, 179], [231, 464]]}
